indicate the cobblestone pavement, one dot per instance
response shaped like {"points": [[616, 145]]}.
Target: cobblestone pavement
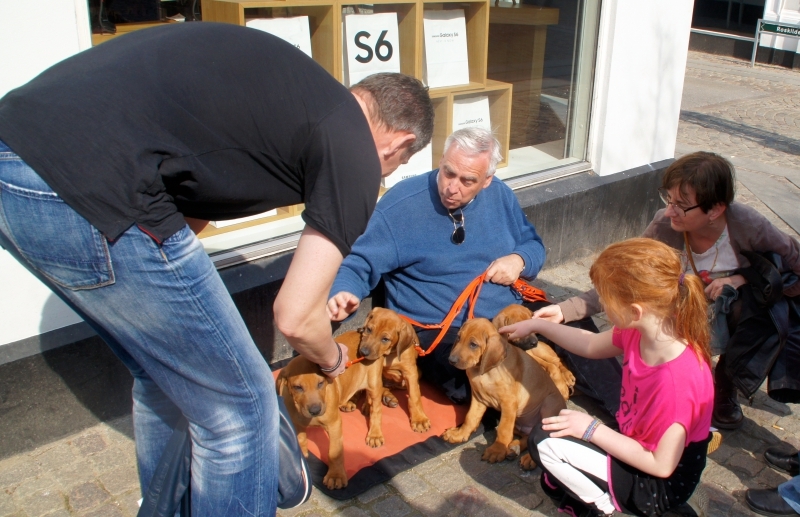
{"points": [[756, 116], [93, 473]]}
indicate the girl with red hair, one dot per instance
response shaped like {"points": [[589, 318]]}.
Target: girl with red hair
{"points": [[653, 463]]}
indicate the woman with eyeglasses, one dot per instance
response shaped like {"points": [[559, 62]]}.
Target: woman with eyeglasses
{"points": [[714, 234]]}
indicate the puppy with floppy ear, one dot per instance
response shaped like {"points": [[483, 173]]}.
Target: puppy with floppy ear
{"points": [[505, 378], [387, 335], [312, 399], [541, 352]]}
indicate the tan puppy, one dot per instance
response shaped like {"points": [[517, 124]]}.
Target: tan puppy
{"points": [[313, 399], [541, 352], [505, 378], [386, 335]]}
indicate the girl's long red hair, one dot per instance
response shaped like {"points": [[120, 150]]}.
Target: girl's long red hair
{"points": [[648, 272]]}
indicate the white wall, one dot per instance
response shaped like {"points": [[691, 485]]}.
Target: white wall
{"points": [[641, 60], [34, 34], [786, 11]]}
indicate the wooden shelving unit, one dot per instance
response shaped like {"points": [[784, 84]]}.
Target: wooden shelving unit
{"points": [[409, 25], [476, 15], [325, 18], [282, 213], [499, 95], [124, 28], [443, 117]]}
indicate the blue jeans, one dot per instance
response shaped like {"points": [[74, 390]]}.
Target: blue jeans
{"points": [[790, 491], [165, 312]]}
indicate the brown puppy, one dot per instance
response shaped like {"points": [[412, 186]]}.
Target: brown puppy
{"points": [[541, 352], [312, 399], [506, 378], [386, 335]]}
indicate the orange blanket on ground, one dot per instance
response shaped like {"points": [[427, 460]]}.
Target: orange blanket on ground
{"points": [[396, 426]]}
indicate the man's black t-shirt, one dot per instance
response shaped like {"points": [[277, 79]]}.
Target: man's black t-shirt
{"points": [[203, 120]]}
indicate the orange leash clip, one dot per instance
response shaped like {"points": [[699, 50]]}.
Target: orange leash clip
{"points": [[528, 292]]}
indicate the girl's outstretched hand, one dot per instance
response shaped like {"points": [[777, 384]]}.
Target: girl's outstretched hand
{"points": [[520, 329], [567, 423]]}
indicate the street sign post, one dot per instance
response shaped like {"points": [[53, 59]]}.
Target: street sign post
{"points": [[779, 29]]}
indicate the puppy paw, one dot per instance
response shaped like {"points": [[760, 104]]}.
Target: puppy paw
{"points": [[455, 435], [497, 452], [348, 407], [334, 480], [389, 400], [568, 377], [375, 440], [526, 462], [420, 425]]}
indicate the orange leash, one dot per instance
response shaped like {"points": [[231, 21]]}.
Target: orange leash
{"points": [[348, 364], [471, 293], [529, 293]]}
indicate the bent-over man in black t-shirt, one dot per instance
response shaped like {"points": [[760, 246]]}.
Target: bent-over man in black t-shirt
{"points": [[105, 157]]}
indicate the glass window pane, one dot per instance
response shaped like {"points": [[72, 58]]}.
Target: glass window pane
{"points": [[546, 49]]}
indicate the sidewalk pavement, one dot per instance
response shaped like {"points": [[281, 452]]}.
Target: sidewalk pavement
{"points": [[750, 115]]}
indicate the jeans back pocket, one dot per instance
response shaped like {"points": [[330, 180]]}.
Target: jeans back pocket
{"points": [[56, 241]]}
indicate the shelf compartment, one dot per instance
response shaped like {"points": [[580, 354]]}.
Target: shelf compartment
{"points": [[499, 95], [409, 23], [476, 14], [281, 213], [323, 17]]}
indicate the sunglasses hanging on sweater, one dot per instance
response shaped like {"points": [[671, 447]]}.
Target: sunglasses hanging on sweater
{"points": [[459, 234]]}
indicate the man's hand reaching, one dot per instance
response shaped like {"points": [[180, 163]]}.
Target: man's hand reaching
{"points": [[342, 305]]}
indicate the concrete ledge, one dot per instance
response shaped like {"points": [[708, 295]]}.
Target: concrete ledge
{"points": [[580, 215], [44, 342]]}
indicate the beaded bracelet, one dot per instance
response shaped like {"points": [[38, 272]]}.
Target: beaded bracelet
{"points": [[338, 363], [587, 435]]}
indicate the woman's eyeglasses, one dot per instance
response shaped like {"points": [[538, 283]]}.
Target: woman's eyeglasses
{"points": [[459, 234], [664, 195]]}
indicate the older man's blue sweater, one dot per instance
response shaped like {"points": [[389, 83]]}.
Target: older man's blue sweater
{"points": [[407, 243]]}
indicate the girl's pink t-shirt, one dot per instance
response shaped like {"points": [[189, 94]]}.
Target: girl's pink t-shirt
{"points": [[655, 397]]}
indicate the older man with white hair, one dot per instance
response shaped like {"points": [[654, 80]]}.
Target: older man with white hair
{"points": [[430, 236]]}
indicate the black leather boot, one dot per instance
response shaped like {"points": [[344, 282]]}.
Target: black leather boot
{"points": [[768, 502], [781, 460], [727, 411]]}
